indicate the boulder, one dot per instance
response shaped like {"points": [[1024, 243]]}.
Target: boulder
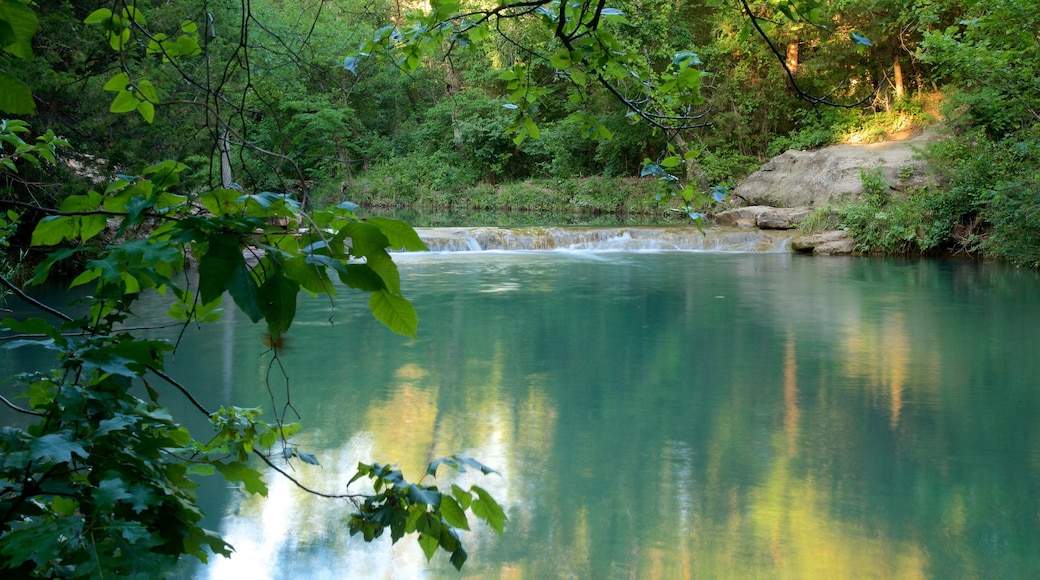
{"points": [[831, 175], [741, 217], [782, 218], [831, 243]]}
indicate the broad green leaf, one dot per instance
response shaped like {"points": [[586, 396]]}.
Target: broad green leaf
{"points": [[117, 423], [350, 63], [458, 558], [133, 14], [429, 545], [464, 497], [361, 277], [453, 513], [53, 230], [109, 491], [118, 82], [395, 312], [147, 111], [119, 40], [59, 447], [382, 264], [308, 457], [686, 59], [561, 60], [98, 16], [532, 128], [278, 302], [399, 235], [21, 26], [238, 471], [310, 277], [221, 202], [148, 91], [15, 96], [671, 162], [245, 292], [124, 102], [420, 495], [366, 239], [486, 508]]}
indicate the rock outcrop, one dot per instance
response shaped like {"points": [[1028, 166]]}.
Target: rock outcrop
{"points": [[831, 175], [763, 217], [830, 243], [785, 191]]}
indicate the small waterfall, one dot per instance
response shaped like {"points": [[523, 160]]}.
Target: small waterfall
{"points": [[670, 238]]}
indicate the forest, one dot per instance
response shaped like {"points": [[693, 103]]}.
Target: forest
{"points": [[508, 124], [135, 130]]}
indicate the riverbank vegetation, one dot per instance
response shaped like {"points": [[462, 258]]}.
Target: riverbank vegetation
{"points": [[255, 137], [312, 116]]}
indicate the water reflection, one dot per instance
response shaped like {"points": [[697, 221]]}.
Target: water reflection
{"points": [[673, 415]]}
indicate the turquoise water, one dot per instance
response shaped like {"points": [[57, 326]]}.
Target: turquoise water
{"points": [[660, 415]]}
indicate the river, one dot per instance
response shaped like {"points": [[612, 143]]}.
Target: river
{"points": [[659, 414]]}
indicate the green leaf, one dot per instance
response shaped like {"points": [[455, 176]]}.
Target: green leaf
{"points": [[117, 423], [147, 111], [399, 235], [361, 277], [532, 128], [421, 495], [98, 16], [15, 96], [119, 40], [671, 162], [21, 26], [453, 513], [238, 471], [350, 63], [429, 545], [219, 266], [464, 497], [56, 446], [395, 312], [309, 275], [118, 82], [308, 458], [458, 558], [486, 508], [124, 102], [277, 297], [52, 230], [561, 60], [109, 491]]}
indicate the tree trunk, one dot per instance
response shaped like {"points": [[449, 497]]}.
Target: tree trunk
{"points": [[898, 74], [225, 161], [792, 57]]}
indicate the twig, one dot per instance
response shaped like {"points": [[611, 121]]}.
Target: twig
{"points": [[20, 409]]}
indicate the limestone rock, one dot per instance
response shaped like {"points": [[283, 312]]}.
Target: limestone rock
{"points": [[836, 248], [834, 242], [782, 218], [832, 174], [742, 217]]}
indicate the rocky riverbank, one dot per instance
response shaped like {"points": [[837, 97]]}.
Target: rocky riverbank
{"points": [[786, 190]]}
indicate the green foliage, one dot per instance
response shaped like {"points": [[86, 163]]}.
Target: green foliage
{"points": [[436, 516], [17, 28], [100, 482]]}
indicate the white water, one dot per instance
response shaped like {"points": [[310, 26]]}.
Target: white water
{"points": [[682, 238]]}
